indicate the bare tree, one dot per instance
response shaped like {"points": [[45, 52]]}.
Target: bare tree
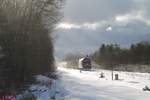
{"points": [[26, 28]]}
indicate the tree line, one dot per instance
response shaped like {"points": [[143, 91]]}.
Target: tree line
{"points": [[110, 55], [26, 41]]}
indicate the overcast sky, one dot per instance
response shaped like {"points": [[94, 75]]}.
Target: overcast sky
{"points": [[89, 23]]}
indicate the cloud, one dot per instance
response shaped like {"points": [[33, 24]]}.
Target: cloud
{"points": [[69, 26], [135, 16], [91, 26], [95, 10], [89, 23], [118, 20], [84, 26]]}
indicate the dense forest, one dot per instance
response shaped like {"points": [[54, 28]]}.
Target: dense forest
{"points": [[111, 55], [26, 41]]}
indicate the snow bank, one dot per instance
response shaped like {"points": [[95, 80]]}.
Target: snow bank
{"points": [[44, 89]]}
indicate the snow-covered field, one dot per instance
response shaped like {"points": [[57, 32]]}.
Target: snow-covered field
{"points": [[88, 86]]}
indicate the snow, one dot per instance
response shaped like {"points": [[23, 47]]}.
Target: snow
{"points": [[88, 86], [53, 91], [47, 92], [44, 89], [42, 79]]}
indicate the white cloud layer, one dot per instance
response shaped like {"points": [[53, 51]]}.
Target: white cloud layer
{"points": [[137, 16], [118, 20], [86, 25]]}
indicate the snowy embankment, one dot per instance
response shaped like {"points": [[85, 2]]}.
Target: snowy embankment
{"points": [[88, 86], [44, 89], [48, 89]]}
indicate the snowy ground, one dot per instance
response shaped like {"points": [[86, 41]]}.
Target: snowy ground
{"points": [[88, 86], [73, 85], [45, 89]]}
